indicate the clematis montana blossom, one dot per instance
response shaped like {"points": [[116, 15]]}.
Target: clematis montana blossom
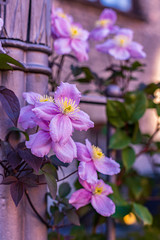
{"points": [[122, 47], [41, 143], [27, 118], [70, 37], [92, 160], [104, 25], [95, 194], [64, 115]]}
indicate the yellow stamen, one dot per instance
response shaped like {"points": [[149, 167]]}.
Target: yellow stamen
{"points": [[67, 105], [46, 98], [122, 40], [130, 219], [98, 190], [74, 32], [103, 23], [62, 15], [97, 152]]}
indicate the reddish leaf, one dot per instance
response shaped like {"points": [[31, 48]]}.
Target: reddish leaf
{"points": [[17, 190], [14, 159], [9, 180], [10, 104]]}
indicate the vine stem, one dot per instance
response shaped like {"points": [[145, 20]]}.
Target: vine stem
{"points": [[35, 211], [67, 176]]}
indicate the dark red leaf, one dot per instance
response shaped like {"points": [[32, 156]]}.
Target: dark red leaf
{"points": [[9, 180], [32, 160], [17, 190], [14, 159], [10, 104]]}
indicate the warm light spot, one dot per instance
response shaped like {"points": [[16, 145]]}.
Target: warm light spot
{"points": [[74, 32], [103, 23], [46, 98], [122, 40], [67, 105], [98, 190], [130, 219], [97, 153], [156, 100]]}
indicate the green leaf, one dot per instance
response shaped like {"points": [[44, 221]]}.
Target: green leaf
{"points": [[128, 157], [151, 88], [6, 60], [52, 184], [135, 104], [116, 196], [116, 113], [122, 211], [56, 162], [58, 217], [64, 189], [73, 217], [158, 109], [50, 169], [119, 140], [143, 213]]}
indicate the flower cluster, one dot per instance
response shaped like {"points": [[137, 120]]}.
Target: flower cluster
{"points": [[69, 36], [95, 191], [56, 118]]}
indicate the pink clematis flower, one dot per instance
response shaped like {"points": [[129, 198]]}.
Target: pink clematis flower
{"points": [[27, 118], [105, 25], [41, 143], [96, 195], [64, 115], [56, 15], [122, 47], [70, 37], [92, 160]]}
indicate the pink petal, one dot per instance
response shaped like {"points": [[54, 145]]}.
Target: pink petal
{"points": [[62, 46], [104, 47], [46, 111], [61, 27], [80, 198], [82, 153], [106, 188], [67, 152], [87, 172], [136, 51], [99, 34], [27, 117], [89, 147], [80, 49], [103, 205], [108, 14], [119, 53], [39, 143], [31, 97], [66, 90], [86, 185], [60, 128], [81, 121], [107, 166]]}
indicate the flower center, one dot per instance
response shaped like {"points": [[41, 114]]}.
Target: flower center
{"points": [[74, 32], [103, 23], [46, 98], [98, 190], [62, 15], [122, 40], [97, 152], [67, 105]]}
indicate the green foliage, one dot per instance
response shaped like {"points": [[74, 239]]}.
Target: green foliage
{"points": [[72, 216], [128, 157], [143, 213], [6, 62], [64, 189], [119, 140]]}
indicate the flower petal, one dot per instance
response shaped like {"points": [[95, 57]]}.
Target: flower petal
{"points": [[104, 47], [107, 166], [103, 205], [39, 143], [87, 172], [82, 153], [46, 111], [106, 188], [31, 97], [119, 53], [60, 128], [89, 147], [62, 46], [108, 14], [86, 185], [81, 121], [80, 49], [99, 34], [67, 152], [80, 198], [66, 90], [27, 117], [136, 51]]}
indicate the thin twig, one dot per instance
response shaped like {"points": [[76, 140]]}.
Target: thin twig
{"points": [[67, 176], [38, 215]]}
